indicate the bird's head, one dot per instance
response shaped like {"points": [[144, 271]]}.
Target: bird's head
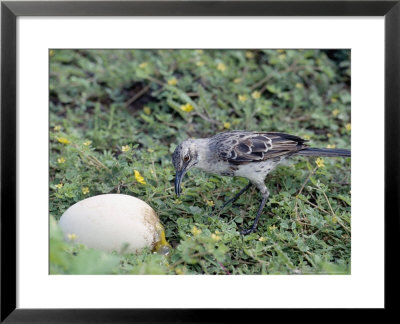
{"points": [[184, 158]]}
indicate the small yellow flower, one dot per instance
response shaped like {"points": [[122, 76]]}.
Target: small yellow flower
{"points": [[187, 108], [63, 140], [262, 239], [242, 98], [282, 56], [333, 100], [280, 51], [215, 237], [125, 148], [57, 128], [59, 186], [210, 203], [334, 220], [61, 160], [320, 163], [87, 143], [329, 135], [150, 150], [272, 228], [143, 65], [335, 112], [85, 190], [307, 137], [172, 81], [299, 85], [71, 236], [256, 94], [178, 271], [348, 127], [221, 67], [227, 125], [249, 54], [237, 80], [139, 177], [195, 231], [147, 110], [51, 53], [199, 51], [199, 63], [331, 146]]}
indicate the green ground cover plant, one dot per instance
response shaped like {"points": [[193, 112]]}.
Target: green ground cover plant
{"points": [[116, 116]]}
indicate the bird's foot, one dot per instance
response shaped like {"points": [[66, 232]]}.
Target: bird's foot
{"points": [[247, 231]]}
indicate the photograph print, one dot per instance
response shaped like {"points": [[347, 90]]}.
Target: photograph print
{"points": [[200, 161]]}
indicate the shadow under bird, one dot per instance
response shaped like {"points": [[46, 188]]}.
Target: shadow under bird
{"points": [[252, 155]]}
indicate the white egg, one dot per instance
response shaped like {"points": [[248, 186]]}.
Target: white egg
{"points": [[113, 222]]}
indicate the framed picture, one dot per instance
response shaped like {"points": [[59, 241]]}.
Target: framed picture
{"points": [[123, 98]]}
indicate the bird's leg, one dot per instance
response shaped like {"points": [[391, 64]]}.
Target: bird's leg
{"points": [[265, 196], [236, 197]]}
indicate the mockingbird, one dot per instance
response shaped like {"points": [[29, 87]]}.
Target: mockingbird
{"points": [[251, 155]]}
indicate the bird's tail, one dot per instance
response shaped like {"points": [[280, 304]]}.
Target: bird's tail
{"points": [[324, 152]]}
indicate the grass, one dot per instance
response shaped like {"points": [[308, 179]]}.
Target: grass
{"points": [[116, 111]]}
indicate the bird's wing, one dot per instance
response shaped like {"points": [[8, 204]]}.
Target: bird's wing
{"points": [[243, 147]]}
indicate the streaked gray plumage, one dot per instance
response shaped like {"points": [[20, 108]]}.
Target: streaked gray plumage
{"points": [[252, 155]]}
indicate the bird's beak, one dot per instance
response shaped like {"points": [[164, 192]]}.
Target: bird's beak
{"points": [[178, 178]]}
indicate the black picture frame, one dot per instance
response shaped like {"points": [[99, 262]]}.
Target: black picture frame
{"points": [[10, 10]]}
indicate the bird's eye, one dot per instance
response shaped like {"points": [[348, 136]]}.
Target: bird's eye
{"points": [[186, 158]]}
